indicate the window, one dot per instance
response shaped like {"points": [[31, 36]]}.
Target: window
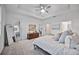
{"points": [[66, 26]]}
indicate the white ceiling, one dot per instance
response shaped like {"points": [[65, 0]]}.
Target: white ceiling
{"points": [[30, 9]]}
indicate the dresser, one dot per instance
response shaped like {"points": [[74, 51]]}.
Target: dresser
{"points": [[32, 35]]}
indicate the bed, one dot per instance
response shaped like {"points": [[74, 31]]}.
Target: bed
{"points": [[48, 45]]}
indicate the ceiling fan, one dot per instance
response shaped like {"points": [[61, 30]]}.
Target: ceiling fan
{"points": [[43, 8]]}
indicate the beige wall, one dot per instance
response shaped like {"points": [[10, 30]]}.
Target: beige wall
{"points": [[25, 20], [3, 17], [72, 16]]}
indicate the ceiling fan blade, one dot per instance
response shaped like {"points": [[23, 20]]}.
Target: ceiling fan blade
{"points": [[48, 6], [37, 9], [46, 11]]}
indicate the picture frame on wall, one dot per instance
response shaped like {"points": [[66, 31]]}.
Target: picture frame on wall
{"points": [[32, 28], [56, 27]]}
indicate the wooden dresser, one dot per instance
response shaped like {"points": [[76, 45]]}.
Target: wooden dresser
{"points": [[32, 35]]}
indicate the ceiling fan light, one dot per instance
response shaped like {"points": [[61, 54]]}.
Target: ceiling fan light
{"points": [[42, 11], [42, 7]]}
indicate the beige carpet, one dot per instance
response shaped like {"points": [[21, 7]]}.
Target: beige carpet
{"points": [[24, 47]]}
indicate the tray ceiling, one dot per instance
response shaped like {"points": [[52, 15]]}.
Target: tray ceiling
{"points": [[31, 9]]}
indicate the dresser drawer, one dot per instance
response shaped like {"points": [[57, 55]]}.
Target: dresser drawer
{"points": [[32, 35]]}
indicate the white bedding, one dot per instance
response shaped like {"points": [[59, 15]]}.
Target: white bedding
{"points": [[45, 37], [48, 44]]}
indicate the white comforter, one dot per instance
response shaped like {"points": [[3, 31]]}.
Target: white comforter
{"points": [[48, 44]]}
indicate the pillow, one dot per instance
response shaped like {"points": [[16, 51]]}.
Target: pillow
{"points": [[56, 38], [74, 41], [73, 44], [75, 38], [63, 36], [67, 41], [70, 32]]}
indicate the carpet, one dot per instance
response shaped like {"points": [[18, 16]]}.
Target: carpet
{"points": [[23, 47]]}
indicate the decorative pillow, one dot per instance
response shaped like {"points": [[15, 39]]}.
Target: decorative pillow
{"points": [[56, 38], [75, 37], [70, 32], [74, 41], [73, 44], [67, 41], [63, 36]]}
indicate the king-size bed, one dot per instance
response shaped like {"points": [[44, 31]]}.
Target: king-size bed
{"points": [[52, 47]]}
